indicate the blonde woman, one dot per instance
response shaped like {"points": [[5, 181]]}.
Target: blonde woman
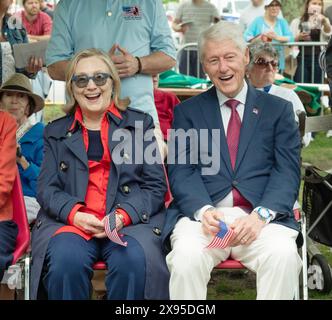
{"points": [[93, 206]]}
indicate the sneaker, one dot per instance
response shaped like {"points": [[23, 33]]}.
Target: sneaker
{"points": [[329, 134]]}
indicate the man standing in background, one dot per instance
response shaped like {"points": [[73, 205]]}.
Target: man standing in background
{"points": [[135, 33], [191, 18]]}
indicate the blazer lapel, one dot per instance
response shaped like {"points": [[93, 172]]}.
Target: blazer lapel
{"points": [[251, 115], [115, 124], [212, 115], [74, 142]]}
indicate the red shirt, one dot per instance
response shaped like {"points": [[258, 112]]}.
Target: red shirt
{"points": [[39, 27], [165, 103], [95, 198]]}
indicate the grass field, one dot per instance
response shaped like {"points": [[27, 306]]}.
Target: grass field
{"points": [[240, 285]]}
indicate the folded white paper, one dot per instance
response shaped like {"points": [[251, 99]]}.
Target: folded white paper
{"points": [[23, 52]]}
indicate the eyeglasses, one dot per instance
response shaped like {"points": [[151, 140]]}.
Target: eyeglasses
{"points": [[264, 64], [82, 80]]}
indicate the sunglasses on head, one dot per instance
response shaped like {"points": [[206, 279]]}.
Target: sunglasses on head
{"points": [[82, 80], [264, 64]]}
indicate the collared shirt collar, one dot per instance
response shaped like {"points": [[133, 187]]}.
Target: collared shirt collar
{"points": [[78, 117], [241, 96]]}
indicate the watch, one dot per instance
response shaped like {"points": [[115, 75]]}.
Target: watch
{"points": [[264, 214]]}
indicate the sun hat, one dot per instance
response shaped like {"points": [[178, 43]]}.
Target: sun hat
{"points": [[18, 82]]}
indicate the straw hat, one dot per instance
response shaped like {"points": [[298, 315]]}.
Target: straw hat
{"points": [[18, 82]]}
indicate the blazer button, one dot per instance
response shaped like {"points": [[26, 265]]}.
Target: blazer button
{"points": [[63, 166], [144, 217], [156, 231], [125, 189], [38, 224]]}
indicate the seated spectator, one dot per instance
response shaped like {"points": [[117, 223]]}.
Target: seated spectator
{"points": [[270, 28], [8, 228], [240, 203], [312, 26], [13, 33], [91, 187], [261, 72], [17, 98], [165, 104]]}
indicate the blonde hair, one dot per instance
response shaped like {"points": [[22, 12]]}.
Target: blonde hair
{"points": [[71, 104]]}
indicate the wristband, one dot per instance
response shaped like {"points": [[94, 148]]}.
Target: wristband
{"points": [[139, 65]]}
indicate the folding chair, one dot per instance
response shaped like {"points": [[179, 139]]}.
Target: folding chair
{"points": [[23, 238]]}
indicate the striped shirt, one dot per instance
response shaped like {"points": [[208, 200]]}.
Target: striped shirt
{"points": [[200, 16]]}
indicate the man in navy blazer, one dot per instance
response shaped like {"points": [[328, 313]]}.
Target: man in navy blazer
{"points": [[252, 143]]}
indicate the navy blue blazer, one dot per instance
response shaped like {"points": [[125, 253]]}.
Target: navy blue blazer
{"points": [[267, 169], [139, 188]]}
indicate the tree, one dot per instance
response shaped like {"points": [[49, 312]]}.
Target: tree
{"points": [[292, 9]]}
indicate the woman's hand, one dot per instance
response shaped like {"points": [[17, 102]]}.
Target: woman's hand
{"points": [[88, 223], [118, 222], [303, 36]]}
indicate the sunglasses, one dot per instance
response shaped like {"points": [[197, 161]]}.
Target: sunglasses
{"points": [[82, 80], [264, 64]]}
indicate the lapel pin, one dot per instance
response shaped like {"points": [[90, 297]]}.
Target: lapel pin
{"points": [[255, 110]]}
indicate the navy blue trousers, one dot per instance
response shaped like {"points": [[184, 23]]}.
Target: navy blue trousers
{"points": [[8, 234], [69, 260]]}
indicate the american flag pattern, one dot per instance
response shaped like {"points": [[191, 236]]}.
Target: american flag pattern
{"points": [[133, 11], [111, 232], [222, 238]]}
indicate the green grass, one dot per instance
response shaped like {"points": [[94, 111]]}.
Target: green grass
{"points": [[241, 285], [52, 112], [319, 152]]}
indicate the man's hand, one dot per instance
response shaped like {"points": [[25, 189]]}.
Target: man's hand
{"points": [[125, 63], [35, 65], [246, 229], [210, 221], [88, 223]]}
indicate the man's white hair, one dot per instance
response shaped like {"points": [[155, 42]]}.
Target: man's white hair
{"points": [[221, 31]]}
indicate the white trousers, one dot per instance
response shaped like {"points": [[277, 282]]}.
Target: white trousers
{"points": [[272, 256]]}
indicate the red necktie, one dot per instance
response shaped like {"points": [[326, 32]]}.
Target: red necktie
{"points": [[233, 136]]}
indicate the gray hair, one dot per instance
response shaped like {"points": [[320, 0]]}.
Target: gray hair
{"points": [[223, 30], [259, 49]]}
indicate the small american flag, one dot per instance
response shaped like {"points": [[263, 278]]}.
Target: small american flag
{"points": [[222, 238], [110, 230]]}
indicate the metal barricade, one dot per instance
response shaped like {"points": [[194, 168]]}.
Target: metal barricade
{"points": [[189, 48]]}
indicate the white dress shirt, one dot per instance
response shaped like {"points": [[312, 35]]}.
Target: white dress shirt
{"points": [[225, 116]]}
